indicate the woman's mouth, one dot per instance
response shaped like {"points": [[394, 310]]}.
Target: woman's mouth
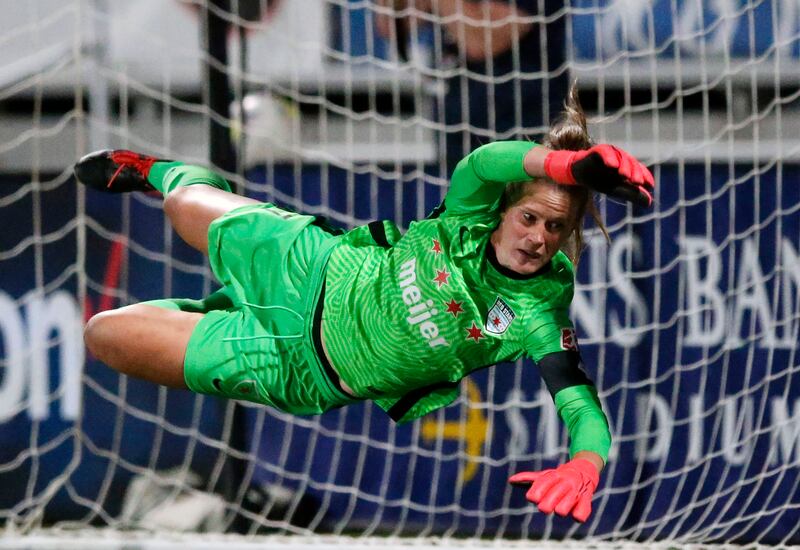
{"points": [[530, 255]]}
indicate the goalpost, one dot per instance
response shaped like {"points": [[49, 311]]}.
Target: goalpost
{"points": [[687, 321]]}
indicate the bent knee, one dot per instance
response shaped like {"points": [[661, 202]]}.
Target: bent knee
{"points": [[142, 340], [107, 333], [98, 333]]}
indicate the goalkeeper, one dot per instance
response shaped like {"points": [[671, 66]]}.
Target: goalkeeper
{"points": [[309, 319]]}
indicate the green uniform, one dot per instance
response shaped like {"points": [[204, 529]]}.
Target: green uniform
{"points": [[435, 305], [259, 338], [264, 345], [405, 317]]}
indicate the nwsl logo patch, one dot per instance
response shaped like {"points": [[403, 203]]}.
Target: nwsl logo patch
{"points": [[499, 317], [569, 342]]}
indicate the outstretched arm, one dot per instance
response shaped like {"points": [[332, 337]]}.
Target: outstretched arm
{"points": [[569, 488]]}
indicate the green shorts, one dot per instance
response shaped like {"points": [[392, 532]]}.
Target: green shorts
{"points": [[266, 347]]}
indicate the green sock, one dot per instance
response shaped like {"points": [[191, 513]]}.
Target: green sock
{"points": [[166, 176]]}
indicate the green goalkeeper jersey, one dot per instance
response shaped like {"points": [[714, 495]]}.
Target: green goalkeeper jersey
{"points": [[407, 317]]}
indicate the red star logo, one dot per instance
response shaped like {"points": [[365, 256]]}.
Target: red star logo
{"points": [[454, 307], [475, 333], [441, 277], [437, 247], [496, 321]]}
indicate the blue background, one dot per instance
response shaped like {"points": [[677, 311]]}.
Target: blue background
{"points": [[355, 479], [358, 483]]}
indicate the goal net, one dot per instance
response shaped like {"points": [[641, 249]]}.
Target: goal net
{"points": [[355, 111]]}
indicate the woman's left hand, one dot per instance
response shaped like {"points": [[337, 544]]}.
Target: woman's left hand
{"points": [[605, 169], [563, 490]]}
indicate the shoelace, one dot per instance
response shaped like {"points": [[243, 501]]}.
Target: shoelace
{"points": [[135, 161]]}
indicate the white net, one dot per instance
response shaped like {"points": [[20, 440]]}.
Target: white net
{"points": [[356, 110]]}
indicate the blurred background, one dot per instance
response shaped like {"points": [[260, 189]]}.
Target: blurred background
{"points": [[358, 110]]}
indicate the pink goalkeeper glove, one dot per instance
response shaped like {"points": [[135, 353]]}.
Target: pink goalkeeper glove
{"points": [[568, 488], [605, 169]]}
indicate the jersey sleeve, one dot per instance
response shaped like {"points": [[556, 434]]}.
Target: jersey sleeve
{"points": [[553, 332], [579, 408], [576, 401], [480, 178], [549, 328]]}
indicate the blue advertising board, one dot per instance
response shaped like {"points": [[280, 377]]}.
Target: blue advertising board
{"points": [[72, 432], [687, 321]]}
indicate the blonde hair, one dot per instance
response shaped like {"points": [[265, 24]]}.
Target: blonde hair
{"points": [[570, 133]]}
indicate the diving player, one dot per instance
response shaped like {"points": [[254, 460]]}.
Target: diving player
{"points": [[309, 319]]}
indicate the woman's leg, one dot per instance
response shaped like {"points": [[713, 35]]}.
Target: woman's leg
{"points": [[143, 341], [149, 340], [191, 210], [193, 196]]}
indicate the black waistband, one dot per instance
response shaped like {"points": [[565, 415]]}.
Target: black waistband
{"points": [[316, 336]]}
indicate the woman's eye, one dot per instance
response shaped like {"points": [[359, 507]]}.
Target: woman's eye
{"points": [[527, 216], [555, 226]]}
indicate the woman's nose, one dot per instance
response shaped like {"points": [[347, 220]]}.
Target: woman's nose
{"points": [[535, 235]]}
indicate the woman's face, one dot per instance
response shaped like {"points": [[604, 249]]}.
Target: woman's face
{"points": [[532, 230]]}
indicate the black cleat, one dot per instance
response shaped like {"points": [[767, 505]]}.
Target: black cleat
{"points": [[115, 171]]}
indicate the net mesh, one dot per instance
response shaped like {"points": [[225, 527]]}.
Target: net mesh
{"points": [[356, 110]]}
